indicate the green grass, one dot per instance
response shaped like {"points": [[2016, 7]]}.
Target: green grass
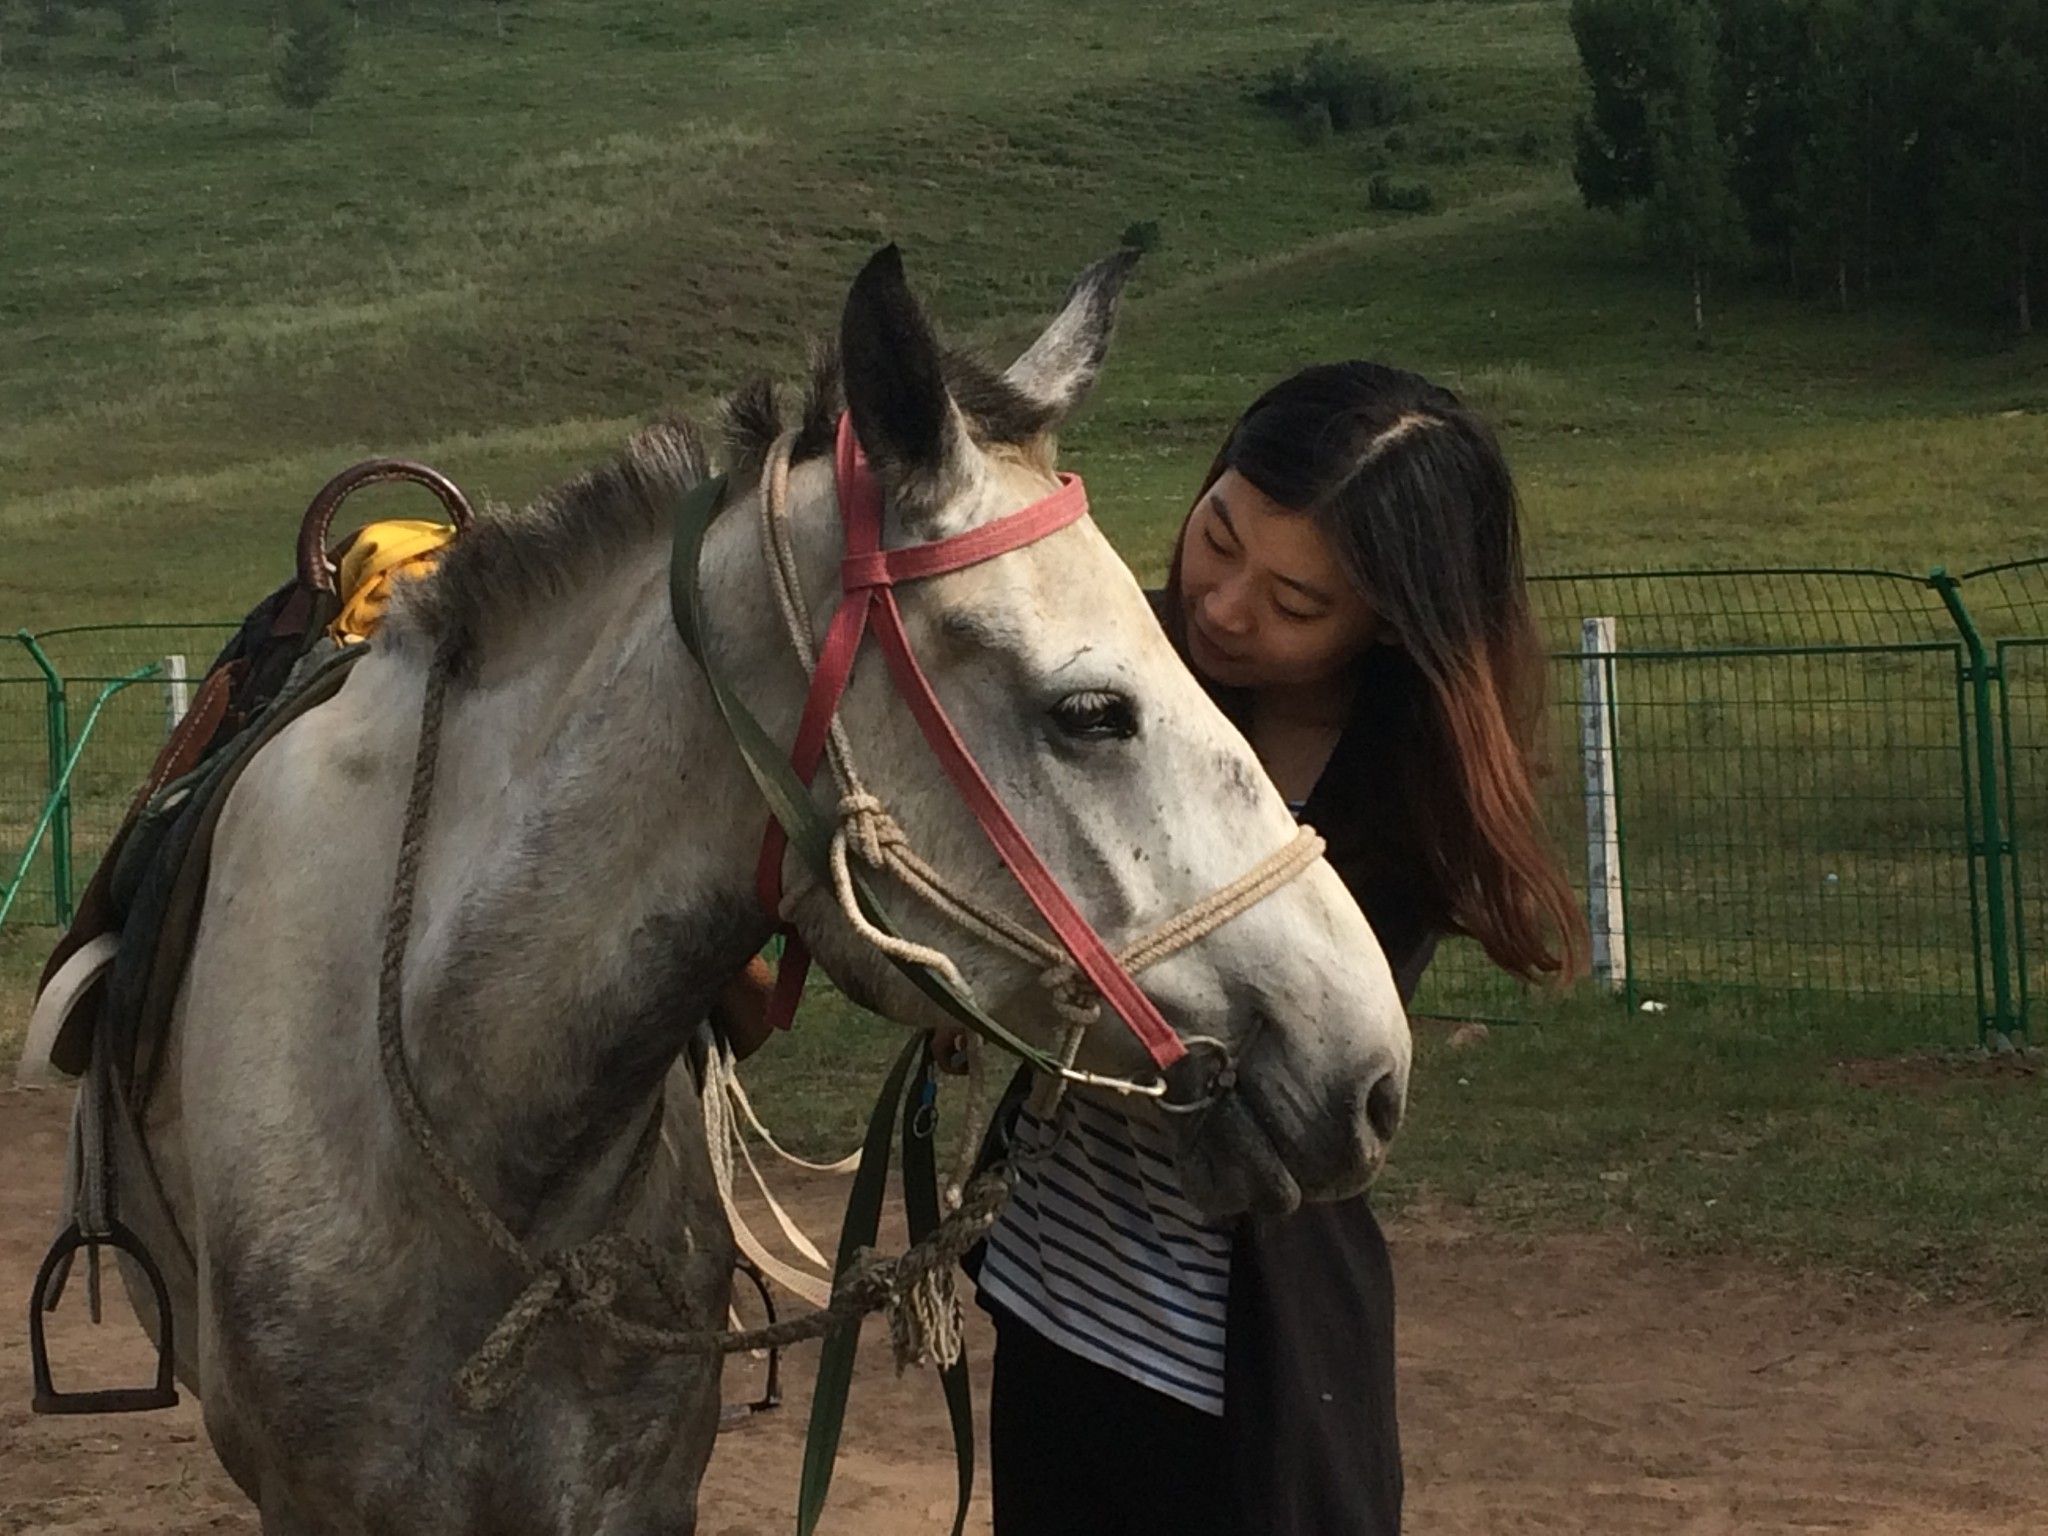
{"points": [[500, 256]]}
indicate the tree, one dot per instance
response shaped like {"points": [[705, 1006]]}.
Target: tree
{"points": [[311, 54], [1691, 215], [138, 19], [1832, 176], [1992, 203], [1619, 46], [174, 51], [1765, 61], [1651, 135]]}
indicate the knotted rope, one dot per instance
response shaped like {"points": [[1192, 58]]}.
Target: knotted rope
{"points": [[585, 1283]]}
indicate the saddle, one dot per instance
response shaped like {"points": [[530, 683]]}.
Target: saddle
{"points": [[270, 672], [109, 985]]}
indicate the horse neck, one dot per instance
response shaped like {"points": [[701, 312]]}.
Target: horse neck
{"points": [[587, 890]]}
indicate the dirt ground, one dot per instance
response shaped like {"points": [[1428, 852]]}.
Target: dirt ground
{"points": [[1561, 1384]]}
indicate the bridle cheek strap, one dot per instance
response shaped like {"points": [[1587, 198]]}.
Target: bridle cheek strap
{"points": [[869, 575]]}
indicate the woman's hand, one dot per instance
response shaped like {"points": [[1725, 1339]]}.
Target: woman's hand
{"points": [[741, 1012]]}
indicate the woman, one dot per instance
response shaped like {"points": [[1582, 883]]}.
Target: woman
{"points": [[1349, 586]]}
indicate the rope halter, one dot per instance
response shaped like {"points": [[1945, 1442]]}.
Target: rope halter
{"points": [[1077, 970]]}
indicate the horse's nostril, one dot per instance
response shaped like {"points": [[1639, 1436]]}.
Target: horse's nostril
{"points": [[1383, 1107]]}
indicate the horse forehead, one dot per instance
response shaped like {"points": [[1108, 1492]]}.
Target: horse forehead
{"points": [[1068, 590]]}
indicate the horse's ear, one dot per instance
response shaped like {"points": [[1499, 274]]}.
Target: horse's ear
{"points": [[1057, 370], [909, 428]]}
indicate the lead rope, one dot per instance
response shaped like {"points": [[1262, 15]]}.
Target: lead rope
{"points": [[584, 1282], [866, 828]]}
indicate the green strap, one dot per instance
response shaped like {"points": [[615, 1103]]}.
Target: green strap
{"points": [[810, 834], [921, 1209], [835, 1360], [789, 800]]}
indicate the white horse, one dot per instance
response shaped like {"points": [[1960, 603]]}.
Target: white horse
{"points": [[587, 886]]}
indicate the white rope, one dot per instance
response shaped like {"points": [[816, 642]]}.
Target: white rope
{"points": [[738, 1090], [719, 1097]]}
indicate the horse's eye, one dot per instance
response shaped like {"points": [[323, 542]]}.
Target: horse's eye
{"points": [[1096, 716]]}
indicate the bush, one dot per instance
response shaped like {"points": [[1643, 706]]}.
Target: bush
{"points": [[1354, 91], [1140, 235], [1313, 124], [1393, 196], [311, 54]]}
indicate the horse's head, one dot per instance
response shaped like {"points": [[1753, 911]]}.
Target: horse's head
{"points": [[1131, 784]]}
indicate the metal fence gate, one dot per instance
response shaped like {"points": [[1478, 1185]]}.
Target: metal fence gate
{"points": [[1797, 788]]}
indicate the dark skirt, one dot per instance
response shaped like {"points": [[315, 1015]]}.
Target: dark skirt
{"points": [[1308, 1384], [1308, 1444]]}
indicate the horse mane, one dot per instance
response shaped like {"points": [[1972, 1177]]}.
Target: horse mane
{"points": [[513, 562]]}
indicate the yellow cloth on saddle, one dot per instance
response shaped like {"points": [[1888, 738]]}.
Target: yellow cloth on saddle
{"points": [[380, 555]]}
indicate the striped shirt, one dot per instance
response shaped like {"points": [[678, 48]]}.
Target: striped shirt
{"points": [[1100, 1252]]}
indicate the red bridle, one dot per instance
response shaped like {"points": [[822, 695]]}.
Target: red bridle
{"points": [[868, 577]]}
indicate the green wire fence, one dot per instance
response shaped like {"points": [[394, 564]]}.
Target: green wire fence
{"points": [[1780, 788], [1787, 786], [52, 712]]}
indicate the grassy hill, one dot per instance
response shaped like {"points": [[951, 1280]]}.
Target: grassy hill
{"points": [[500, 254]]}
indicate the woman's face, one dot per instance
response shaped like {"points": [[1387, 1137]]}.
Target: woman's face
{"points": [[1265, 603]]}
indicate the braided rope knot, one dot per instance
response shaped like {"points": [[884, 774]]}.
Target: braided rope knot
{"points": [[874, 833], [1076, 1002], [582, 1282]]}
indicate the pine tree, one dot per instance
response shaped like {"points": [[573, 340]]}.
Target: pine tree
{"points": [[311, 54]]}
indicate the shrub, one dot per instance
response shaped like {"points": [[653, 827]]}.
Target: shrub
{"points": [[1393, 196], [1140, 235], [1313, 124], [1356, 92]]}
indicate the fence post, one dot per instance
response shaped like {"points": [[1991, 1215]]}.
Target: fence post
{"points": [[2023, 1018], [57, 739], [177, 692], [1990, 833], [1606, 899]]}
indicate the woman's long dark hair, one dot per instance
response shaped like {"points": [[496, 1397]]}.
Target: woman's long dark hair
{"points": [[1412, 492]]}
